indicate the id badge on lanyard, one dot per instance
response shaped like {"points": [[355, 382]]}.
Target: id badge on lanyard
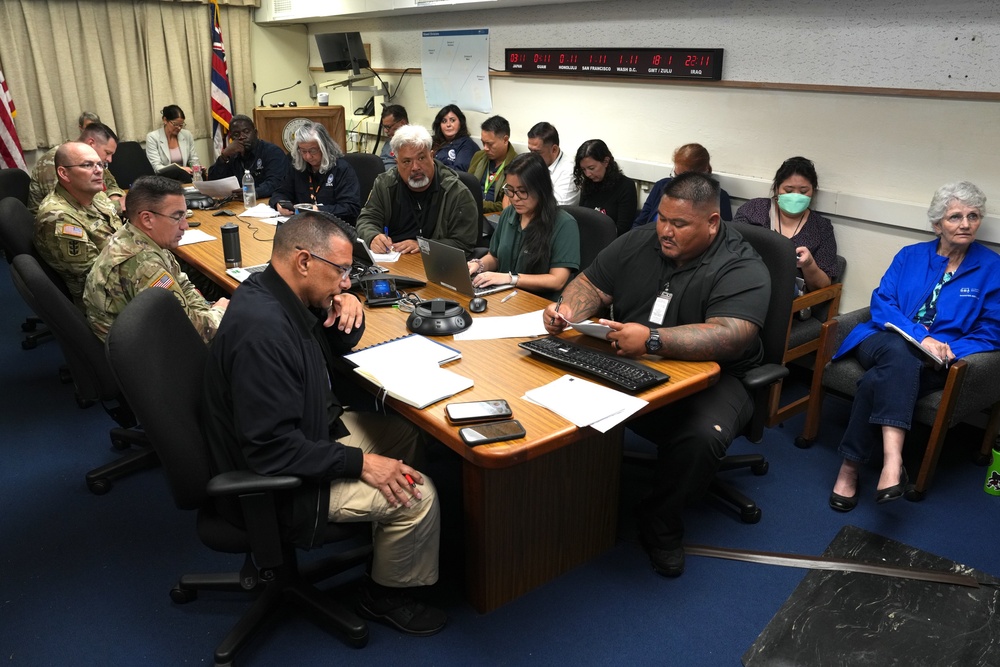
{"points": [[659, 311]]}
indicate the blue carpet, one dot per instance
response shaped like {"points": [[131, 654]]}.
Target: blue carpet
{"points": [[84, 580]]}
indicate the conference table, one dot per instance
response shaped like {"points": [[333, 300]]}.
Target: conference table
{"points": [[535, 507]]}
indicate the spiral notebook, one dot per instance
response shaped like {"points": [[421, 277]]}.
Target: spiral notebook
{"points": [[409, 369]]}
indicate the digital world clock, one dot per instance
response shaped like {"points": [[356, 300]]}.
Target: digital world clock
{"points": [[646, 63]]}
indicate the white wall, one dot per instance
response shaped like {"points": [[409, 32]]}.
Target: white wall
{"points": [[879, 157]]}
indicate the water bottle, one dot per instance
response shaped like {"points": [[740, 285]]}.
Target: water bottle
{"points": [[249, 190], [196, 175]]}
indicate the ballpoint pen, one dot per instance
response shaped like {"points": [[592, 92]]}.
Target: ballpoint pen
{"points": [[385, 230], [509, 297]]}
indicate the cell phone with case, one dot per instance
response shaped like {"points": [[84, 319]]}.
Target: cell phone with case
{"points": [[477, 411], [484, 434]]}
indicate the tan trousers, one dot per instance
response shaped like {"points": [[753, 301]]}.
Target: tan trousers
{"points": [[406, 540]]}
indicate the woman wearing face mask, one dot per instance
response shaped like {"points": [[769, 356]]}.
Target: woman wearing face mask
{"points": [[452, 144], [788, 212]]}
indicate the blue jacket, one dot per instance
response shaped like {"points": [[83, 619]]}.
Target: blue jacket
{"points": [[968, 308], [457, 154]]}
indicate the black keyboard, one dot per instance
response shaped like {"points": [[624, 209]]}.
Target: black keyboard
{"points": [[625, 373]]}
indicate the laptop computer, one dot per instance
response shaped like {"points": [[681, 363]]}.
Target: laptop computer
{"points": [[447, 266]]}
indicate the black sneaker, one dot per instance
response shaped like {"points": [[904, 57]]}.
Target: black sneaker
{"points": [[665, 562], [400, 611]]}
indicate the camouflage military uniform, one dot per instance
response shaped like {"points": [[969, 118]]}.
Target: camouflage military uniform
{"points": [[129, 264], [44, 181], [69, 236]]}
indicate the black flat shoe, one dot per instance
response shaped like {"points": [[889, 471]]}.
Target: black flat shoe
{"points": [[894, 492], [843, 503]]}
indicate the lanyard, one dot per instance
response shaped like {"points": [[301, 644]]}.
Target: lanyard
{"points": [[491, 178]]}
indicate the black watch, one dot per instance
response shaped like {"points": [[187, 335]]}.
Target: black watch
{"points": [[653, 343]]}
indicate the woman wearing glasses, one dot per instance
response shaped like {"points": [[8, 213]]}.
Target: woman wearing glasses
{"points": [[943, 293], [536, 245], [603, 186], [318, 177], [171, 144]]}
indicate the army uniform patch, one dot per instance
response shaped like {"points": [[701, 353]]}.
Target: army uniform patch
{"points": [[164, 280]]}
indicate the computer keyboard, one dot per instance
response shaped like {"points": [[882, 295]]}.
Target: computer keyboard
{"points": [[625, 373]]}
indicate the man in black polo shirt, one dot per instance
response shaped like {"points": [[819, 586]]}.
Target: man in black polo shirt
{"points": [[687, 288], [267, 163], [418, 197]]}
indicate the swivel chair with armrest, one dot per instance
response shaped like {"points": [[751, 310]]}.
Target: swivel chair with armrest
{"points": [[597, 231], [130, 162], [159, 361], [88, 367], [971, 387], [367, 167], [476, 188], [17, 236], [15, 182], [778, 254]]}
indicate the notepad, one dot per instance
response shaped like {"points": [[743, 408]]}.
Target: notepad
{"points": [[931, 358], [412, 347]]}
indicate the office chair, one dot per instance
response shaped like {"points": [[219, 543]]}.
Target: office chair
{"points": [[971, 387], [367, 167], [159, 360], [597, 230], [17, 236], [476, 188], [14, 183], [778, 254], [88, 367], [805, 337], [130, 163]]}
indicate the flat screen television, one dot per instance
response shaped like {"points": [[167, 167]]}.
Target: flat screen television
{"points": [[342, 51]]}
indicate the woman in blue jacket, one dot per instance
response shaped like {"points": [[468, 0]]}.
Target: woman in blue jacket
{"points": [[946, 295], [452, 144]]}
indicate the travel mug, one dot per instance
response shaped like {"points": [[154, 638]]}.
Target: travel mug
{"points": [[231, 250]]}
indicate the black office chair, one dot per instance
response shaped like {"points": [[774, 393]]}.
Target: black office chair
{"points": [[88, 367], [778, 254], [367, 167], [14, 183], [17, 237], [476, 188], [597, 230], [130, 163], [159, 360]]}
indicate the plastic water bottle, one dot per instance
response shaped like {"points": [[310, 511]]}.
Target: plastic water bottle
{"points": [[196, 175], [249, 190]]}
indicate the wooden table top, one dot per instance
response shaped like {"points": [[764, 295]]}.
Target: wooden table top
{"points": [[499, 368]]}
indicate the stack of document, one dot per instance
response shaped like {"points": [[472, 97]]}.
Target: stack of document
{"points": [[585, 403], [409, 370]]}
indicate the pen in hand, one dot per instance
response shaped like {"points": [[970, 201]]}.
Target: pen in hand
{"points": [[387, 239], [410, 481], [558, 303]]}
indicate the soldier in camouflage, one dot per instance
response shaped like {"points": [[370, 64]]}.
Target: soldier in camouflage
{"points": [[139, 256], [43, 177], [76, 220]]}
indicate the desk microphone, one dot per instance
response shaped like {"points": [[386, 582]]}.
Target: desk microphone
{"points": [[278, 91]]}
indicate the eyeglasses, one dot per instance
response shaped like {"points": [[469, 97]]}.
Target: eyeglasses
{"points": [[956, 218], [89, 166], [309, 151], [345, 271], [176, 217], [388, 128], [179, 124], [515, 194]]}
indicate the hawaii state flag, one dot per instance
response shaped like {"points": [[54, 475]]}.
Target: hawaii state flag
{"points": [[222, 101], [11, 154]]}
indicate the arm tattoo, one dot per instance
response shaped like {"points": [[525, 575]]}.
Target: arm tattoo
{"points": [[718, 339], [583, 298]]}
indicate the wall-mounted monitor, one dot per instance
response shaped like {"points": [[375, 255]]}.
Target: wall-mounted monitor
{"points": [[342, 51]]}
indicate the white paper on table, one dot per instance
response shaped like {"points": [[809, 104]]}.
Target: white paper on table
{"points": [[218, 189], [274, 221], [194, 236], [260, 211], [509, 326], [586, 403], [384, 257]]}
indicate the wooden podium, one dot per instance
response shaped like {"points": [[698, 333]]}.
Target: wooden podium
{"points": [[277, 125]]}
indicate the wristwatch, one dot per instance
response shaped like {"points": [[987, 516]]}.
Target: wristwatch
{"points": [[513, 277], [653, 343]]}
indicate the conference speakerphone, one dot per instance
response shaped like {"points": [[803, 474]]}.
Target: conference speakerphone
{"points": [[646, 63]]}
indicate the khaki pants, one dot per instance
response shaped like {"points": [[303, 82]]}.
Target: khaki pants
{"points": [[405, 539]]}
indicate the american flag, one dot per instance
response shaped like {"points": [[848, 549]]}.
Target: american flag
{"points": [[11, 154], [222, 101], [166, 281]]}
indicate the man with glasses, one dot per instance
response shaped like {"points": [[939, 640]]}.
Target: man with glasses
{"points": [[76, 219], [393, 117], [139, 256], [418, 197], [278, 403], [267, 163], [98, 136]]}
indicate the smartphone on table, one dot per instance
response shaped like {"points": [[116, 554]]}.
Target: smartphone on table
{"points": [[487, 432], [477, 411]]}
